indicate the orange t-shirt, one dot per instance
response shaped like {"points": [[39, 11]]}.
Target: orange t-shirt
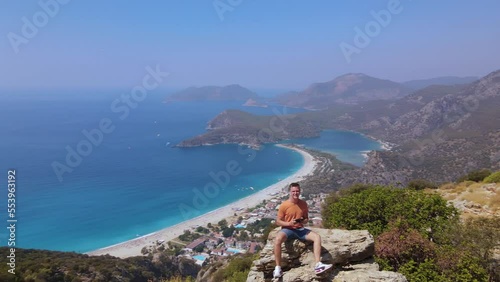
{"points": [[289, 211]]}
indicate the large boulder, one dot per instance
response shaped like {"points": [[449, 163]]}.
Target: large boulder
{"points": [[351, 252]]}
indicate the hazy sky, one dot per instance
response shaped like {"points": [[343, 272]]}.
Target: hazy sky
{"points": [[255, 43]]}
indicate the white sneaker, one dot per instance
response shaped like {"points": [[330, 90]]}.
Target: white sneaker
{"points": [[321, 267], [277, 273]]}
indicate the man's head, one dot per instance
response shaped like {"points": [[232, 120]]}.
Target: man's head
{"points": [[294, 191]]}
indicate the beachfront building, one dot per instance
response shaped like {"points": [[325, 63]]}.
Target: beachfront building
{"points": [[230, 242], [254, 247], [212, 243], [196, 243], [219, 252]]}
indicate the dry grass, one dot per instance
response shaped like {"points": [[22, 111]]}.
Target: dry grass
{"points": [[447, 186], [476, 198], [475, 194], [495, 202]]}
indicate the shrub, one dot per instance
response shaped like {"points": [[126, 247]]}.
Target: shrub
{"points": [[468, 269], [374, 208], [421, 184], [401, 245], [475, 175], [228, 231], [202, 229], [222, 224], [493, 178], [422, 272], [236, 270], [477, 237]]}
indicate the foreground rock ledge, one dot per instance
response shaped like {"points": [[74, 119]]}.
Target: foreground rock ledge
{"points": [[351, 252]]}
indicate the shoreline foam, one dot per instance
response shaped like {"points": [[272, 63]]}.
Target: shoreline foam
{"points": [[133, 247]]}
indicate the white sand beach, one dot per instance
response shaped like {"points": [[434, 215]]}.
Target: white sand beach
{"points": [[133, 247]]}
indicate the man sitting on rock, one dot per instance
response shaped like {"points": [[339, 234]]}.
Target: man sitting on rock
{"points": [[292, 215]]}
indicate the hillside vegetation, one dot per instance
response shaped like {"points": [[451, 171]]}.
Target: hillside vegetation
{"points": [[418, 233], [52, 266]]}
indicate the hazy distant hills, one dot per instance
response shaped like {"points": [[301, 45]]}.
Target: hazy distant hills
{"points": [[350, 88], [444, 80], [232, 92], [440, 132]]}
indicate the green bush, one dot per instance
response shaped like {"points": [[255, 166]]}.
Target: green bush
{"points": [[202, 229], [420, 184], [450, 265], [222, 224], [493, 178], [422, 272], [228, 231], [374, 208], [477, 237], [475, 175], [236, 270]]}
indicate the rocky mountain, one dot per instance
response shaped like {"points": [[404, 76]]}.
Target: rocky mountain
{"points": [[350, 88], [444, 80], [442, 133], [232, 92]]}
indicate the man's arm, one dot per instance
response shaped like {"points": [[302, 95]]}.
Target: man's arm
{"points": [[281, 222], [305, 215]]}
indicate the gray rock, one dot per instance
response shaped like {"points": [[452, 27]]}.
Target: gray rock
{"points": [[351, 252]]}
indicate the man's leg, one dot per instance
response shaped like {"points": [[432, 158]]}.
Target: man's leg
{"points": [[319, 267], [280, 238], [312, 236]]}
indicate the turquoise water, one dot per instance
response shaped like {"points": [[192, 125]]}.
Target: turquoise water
{"points": [[200, 257], [347, 146], [127, 183], [236, 251]]}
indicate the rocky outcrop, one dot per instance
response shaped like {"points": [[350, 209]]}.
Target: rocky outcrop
{"points": [[238, 127], [351, 252]]}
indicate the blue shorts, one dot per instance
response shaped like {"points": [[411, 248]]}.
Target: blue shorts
{"points": [[296, 233]]}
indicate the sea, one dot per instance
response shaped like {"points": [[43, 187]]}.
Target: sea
{"points": [[93, 169]]}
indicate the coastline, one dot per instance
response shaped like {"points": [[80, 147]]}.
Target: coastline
{"points": [[133, 247]]}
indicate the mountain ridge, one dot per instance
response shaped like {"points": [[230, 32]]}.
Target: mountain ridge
{"points": [[418, 84], [351, 88]]}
